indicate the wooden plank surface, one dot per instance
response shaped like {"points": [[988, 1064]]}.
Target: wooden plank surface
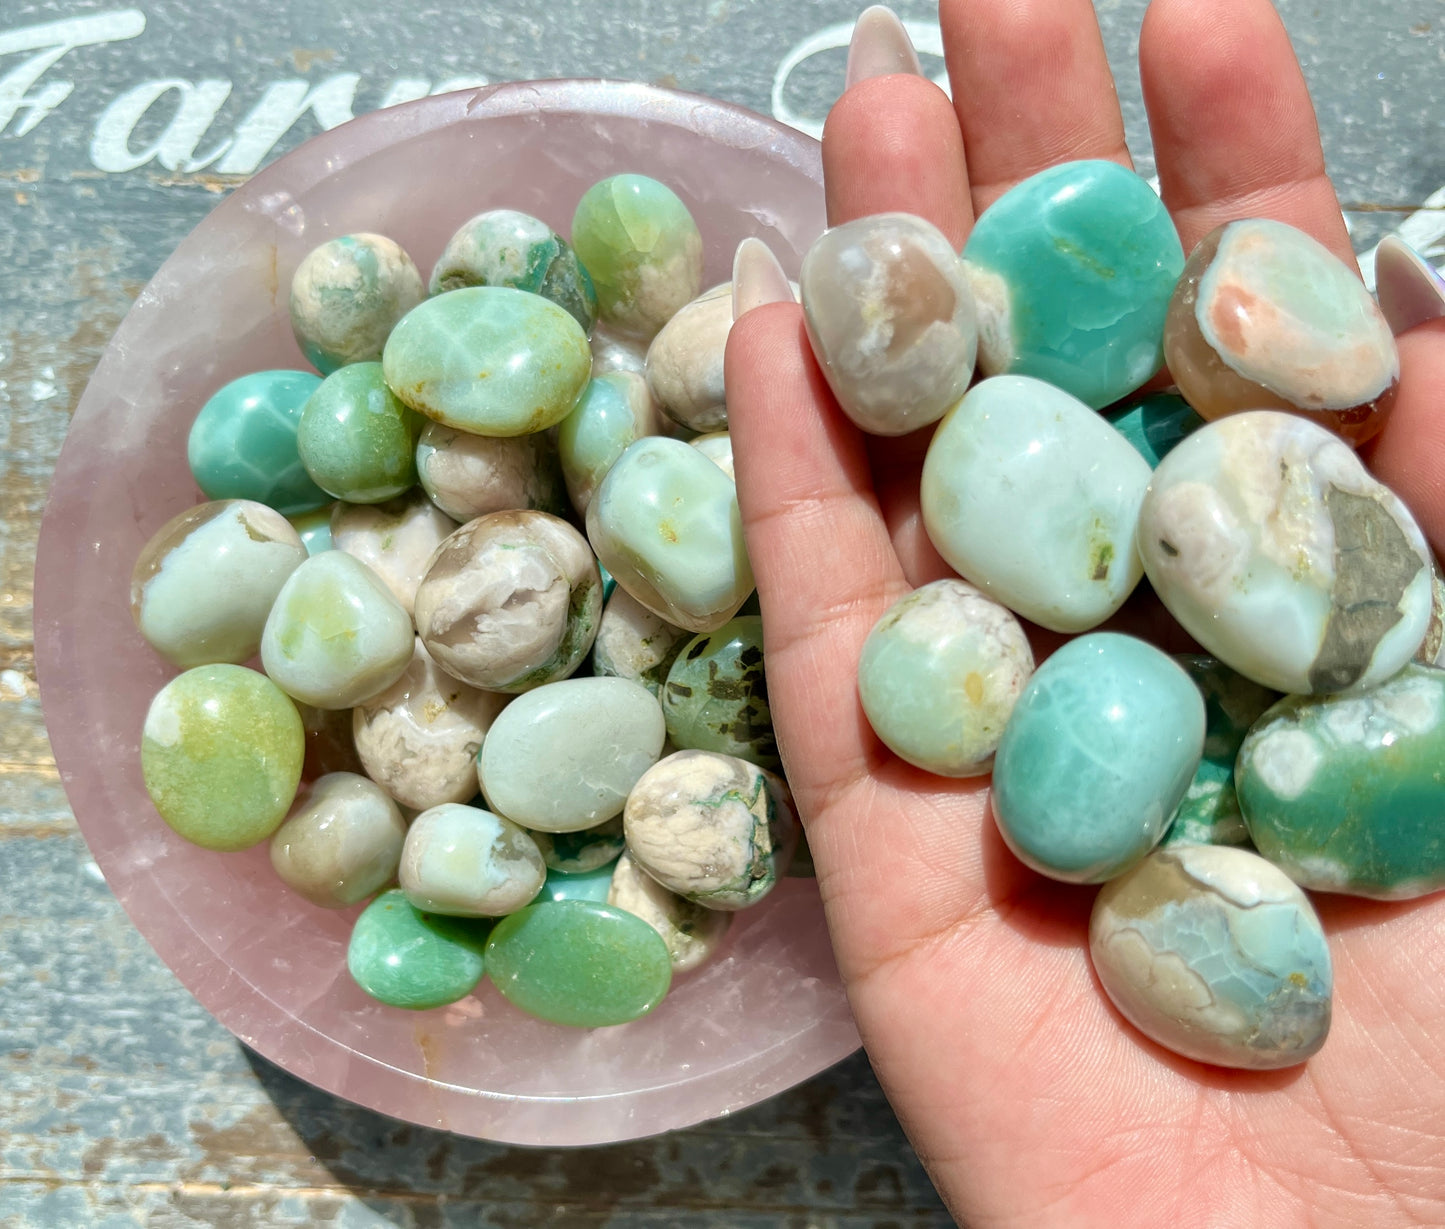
{"points": [[121, 1101]]}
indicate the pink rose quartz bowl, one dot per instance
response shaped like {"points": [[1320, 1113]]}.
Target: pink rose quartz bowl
{"points": [[770, 1011]]}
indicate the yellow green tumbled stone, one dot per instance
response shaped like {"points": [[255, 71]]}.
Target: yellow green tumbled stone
{"points": [[221, 755], [356, 440]]}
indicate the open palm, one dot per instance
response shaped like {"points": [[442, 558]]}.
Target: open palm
{"points": [[1026, 1095]]}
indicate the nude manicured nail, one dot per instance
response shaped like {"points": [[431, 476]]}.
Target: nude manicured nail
{"points": [[880, 46], [758, 278], [1409, 289]]}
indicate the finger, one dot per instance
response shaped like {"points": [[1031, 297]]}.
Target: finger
{"points": [[1235, 133], [1031, 87], [897, 465], [819, 547]]}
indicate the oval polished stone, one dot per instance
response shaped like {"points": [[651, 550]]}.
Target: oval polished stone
{"points": [[1267, 318], [584, 850], [335, 636], [565, 756], [503, 247], [643, 249], [346, 296], [489, 360], [576, 885], [1097, 755], [466, 862], [1214, 954], [1275, 549], [1155, 424], [468, 476], [685, 361], [205, 582], [406, 958], [615, 411], [341, 843], [356, 440], [243, 442], [1344, 792], [634, 643], [692, 932], [940, 674], [1031, 496], [511, 601], [891, 320], [395, 539], [1072, 271], [716, 695], [419, 738], [221, 755], [665, 522], [579, 962], [712, 828]]}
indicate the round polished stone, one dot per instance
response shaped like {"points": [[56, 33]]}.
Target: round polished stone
{"points": [[468, 476], [1097, 755], [1267, 318], [466, 862], [336, 636], [406, 958], [693, 933], [634, 643], [1072, 270], [395, 539], [1213, 953], [346, 296], [565, 756], [243, 442], [1154, 424], [584, 850], [341, 843], [1275, 548], [614, 412], [579, 962], [205, 582], [221, 754], [891, 319], [503, 247], [356, 440], [685, 361], [940, 674], [1031, 496], [716, 694], [490, 360], [665, 522]]}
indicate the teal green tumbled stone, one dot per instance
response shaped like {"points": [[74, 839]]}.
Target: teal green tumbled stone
{"points": [[243, 442], [406, 958], [1209, 814], [356, 440], [615, 411], [576, 885], [314, 528], [579, 962], [1073, 270], [1347, 792], [642, 248], [489, 360], [505, 248], [716, 695], [1097, 755], [1154, 424]]}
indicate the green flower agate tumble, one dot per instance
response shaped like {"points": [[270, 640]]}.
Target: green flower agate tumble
{"points": [[716, 695], [1072, 270], [221, 755], [490, 360], [347, 295], [356, 440], [406, 958]]}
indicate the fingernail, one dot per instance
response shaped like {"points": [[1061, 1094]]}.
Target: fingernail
{"points": [[1409, 289], [758, 278], [880, 45]]}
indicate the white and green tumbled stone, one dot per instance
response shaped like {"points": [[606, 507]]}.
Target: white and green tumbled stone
{"points": [[685, 361], [464, 861], [1072, 270], [716, 694], [583, 850], [1276, 549], [693, 933], [1345, 793], [1031, 496], [341, 843], [404, 957], [1096, 756], [615, 411], [356, 440], [468, 476], [1213, 953], [634, 643], [395, 539], [490, 360]]}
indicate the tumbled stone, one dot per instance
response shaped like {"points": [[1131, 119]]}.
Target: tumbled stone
{"points": [[341, 843], [1275, 549], [1072, 271], [692, 932], [346, 296], [1031, 496], [1344, 792], [204, 583], [1096, 756], [634, 643], [468, 476], [685, 361], [1153, 425], [466, 862], [1267, 318], [406, 958], [356, 440], [511, 601], [617, 352], [940, 674], [395, 539], [221, 756], [614, 412], [576, 885], [314, 528], [717, 447], [1214, 954], [490, 360], [891, 319], [584, 850], [716, 694]]}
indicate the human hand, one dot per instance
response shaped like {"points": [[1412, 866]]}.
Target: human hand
{"points": [[1024, 1092]]}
